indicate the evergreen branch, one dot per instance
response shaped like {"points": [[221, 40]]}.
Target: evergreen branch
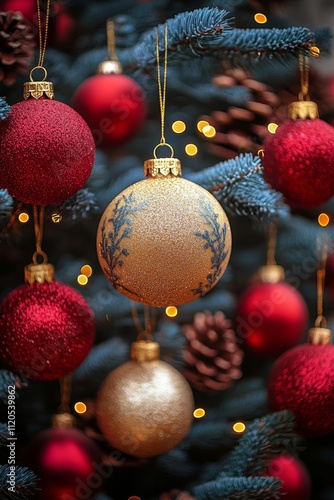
{"points": [[25, 483], [210, 435], [7, 379], [177, 464], [244, 488], [6, 203], [239, 185], [3, 434], [5, 109], [246, 406], [81, 204]]}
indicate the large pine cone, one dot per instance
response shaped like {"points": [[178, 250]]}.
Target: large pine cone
{"points": [[17, 44], [212, 355]]}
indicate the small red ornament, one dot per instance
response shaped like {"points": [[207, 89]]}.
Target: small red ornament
{"points": [[271, 318], [299, 157], [302, 381], [114, 107], [26, 7], [296, 483], [47, 151], [47, 329], [68, 464]]}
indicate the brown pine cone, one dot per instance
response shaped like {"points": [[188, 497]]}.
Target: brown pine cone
{"points": [[17, 44], [177, 495], [212, 355], [241, 129]]}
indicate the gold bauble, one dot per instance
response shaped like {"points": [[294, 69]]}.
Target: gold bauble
{"points": [[145, 407], [164, 240]]}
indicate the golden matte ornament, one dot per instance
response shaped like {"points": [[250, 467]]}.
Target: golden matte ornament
{"points": [[145, 407], [164, 240]]}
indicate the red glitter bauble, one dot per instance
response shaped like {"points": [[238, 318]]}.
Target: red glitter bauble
{"points": [[47, 152], [47, 330], [113, 106], [296, 483], [271, 318], [299, 162], [68, 464], [302, 381]]}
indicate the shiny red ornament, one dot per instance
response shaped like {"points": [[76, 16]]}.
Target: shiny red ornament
{"points": [[47, 329], [299, 162], [271, 318], [26, 7], [47, 152], [296, 479], [68, 464], [302, 381], [114, 107]]}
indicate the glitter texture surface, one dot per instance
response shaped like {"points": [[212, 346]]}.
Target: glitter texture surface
{"points": [[302, 381], [164, 241], [145, 409], [299, 162], [271, 318], [114, 107], [46, 330], [47, 152]]}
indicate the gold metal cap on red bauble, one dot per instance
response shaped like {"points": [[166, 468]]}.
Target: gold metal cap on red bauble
{"points": [[39, 273], [109, 67], [270, 273], [40, 88], [303, 109]]}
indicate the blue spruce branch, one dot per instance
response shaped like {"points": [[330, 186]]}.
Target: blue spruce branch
{"points": [[81, 204], [7, 379], [5, 109], [6, 203], [239, 488], [26, 483], [3, 434]]}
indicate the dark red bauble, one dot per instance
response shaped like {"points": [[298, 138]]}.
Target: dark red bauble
{"points": [[302, 381], [271, 318], [26, 7], [68, 464], [296, 478], [47, 152], [299, 162], [47, 329], [114, 107]]}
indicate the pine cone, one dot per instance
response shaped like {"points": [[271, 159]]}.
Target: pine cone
{"points": [[17, 44], [241, 129], [177, 495], [212, 355]]}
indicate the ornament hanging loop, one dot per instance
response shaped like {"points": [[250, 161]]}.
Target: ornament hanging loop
{"points": [[39, 253], [320, 322], [38, 67], [163, 144]]}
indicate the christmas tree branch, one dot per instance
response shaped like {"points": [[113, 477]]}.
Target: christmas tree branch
{"points": [[26, 483], [5, 109], [3, 434], [6, 203], [81, 204], [244, 488], [8, 379]]}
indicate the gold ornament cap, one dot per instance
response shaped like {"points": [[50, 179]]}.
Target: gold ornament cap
{"points": [[109, 67], [38, 89], [63, 421], [145, 350], [303, 110], [271, 273], [157, 167], [319, 335], [39, 273]]}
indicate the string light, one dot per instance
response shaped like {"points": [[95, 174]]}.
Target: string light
{"points": [[272, 127], [56, 218], [80, 407], [260, 18], [178, 127], [315, 51], [201, 124], [209, 131], [23, 217], [199, 413], [171, 311], [239, 427], [82, 279], [191, 149], [323, 220], [86, 270]]}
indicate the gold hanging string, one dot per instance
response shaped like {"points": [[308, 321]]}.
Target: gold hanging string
{"points": [[271, 245], [304, 74], [42, 43], [162, 88], [322, 253], [111, 40], [65, 394], [149, 322], [39, 228]]}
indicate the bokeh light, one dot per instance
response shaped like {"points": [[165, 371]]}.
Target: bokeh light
{"points": [[323, 220], [191, 149], [178, 127], [23, 217], [171, 311], [82, 279], [239, 427], [260, 18], [199, 413]]}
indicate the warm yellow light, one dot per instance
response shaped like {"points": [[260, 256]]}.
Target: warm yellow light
{"points": [[239, 427], [315, 51], [261, 153], [86, 270], [82, 279], [323, 220], [260, 18], [80, 407], [199, 413], [178, 127], [56, 218], [201, 124], [23, 217], [209, 131], [272, 127], [191, 149], [171, 311]]}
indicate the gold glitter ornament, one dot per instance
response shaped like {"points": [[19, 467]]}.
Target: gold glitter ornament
{"points": [[145, 407], [164, 240]]}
